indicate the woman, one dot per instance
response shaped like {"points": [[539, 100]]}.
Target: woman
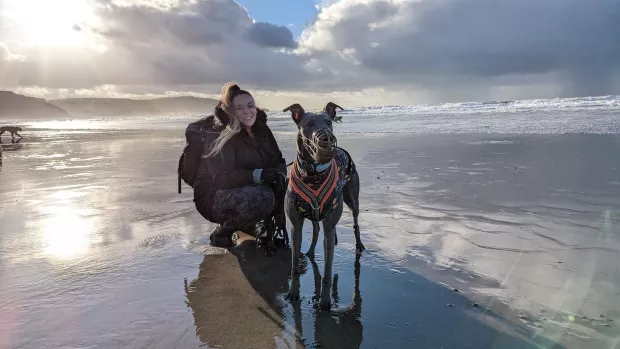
{"points": [[234, 183]]}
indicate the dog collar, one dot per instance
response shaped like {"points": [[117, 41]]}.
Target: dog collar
{"points": [[322, 167], [305, 167]]}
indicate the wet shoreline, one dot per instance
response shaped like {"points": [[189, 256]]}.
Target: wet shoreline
{"points": [[524, 227]]}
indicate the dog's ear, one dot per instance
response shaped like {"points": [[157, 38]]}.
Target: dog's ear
{"points": [[330, 109], [297, 112]]}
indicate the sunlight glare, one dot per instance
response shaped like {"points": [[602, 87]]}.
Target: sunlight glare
{"points": [[49, 22], [71, 124], [65, 234]]}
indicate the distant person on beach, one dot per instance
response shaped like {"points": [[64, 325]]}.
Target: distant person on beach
{"points": [[234, 183]]}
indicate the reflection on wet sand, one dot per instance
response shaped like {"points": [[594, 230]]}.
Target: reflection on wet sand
{"points": [[65, 234], [341, 328], [240, 312], [13, 146], [235, 298], [238, 302]]}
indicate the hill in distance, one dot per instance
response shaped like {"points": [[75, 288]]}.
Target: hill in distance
{"points": [[13, 105], [81, 107]]}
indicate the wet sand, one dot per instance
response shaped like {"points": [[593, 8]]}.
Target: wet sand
{"points": [[98, 250]]}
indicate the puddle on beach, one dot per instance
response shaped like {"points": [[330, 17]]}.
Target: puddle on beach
{"points": [[107, 256]]}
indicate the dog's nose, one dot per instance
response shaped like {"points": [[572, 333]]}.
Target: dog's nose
{"points": [[325, 139]]}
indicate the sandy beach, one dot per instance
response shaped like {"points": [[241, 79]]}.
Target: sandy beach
{"points": [[473, 241]]}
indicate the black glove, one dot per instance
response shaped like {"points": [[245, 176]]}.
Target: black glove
{"points": [[269, 175]]}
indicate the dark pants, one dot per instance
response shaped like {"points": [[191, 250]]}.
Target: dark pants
{"points": [[242, 207]]}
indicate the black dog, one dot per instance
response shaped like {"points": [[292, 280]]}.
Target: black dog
{"points": [[322, 176], [12, 129]]}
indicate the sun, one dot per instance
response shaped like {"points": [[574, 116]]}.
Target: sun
{"points": [[48, 22]]}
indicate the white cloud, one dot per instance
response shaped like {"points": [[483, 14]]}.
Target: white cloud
{"points": [[394, 50], [8, 56], [206, 42]]}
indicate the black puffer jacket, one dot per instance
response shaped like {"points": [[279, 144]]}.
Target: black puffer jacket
{"points": [[233, 167]]}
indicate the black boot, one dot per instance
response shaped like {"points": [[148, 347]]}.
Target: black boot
{"points": [[250, 229], [222, 236]]}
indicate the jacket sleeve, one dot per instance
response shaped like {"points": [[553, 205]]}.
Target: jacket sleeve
{"points": [[281, 164], [223, 172]]}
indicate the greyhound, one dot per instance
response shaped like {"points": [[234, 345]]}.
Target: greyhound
{"points": [[322, 176], [12, 129]]}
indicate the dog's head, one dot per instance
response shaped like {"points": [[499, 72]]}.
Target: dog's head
{"points": [[316, 133]]}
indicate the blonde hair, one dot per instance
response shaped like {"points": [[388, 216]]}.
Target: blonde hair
{"points": [[229, 92]]}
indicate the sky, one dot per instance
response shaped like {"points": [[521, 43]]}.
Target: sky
{"points": [[352, 52]]}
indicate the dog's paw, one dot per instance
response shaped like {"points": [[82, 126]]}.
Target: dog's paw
{"points": [[359, 248]]}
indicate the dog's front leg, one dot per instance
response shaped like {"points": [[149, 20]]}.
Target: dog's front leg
{"points": [[297, 223], [329, 243], [315, 237], [296, 235]]}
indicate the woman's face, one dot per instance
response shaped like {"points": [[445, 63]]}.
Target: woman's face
{"points": [[245, 109]]}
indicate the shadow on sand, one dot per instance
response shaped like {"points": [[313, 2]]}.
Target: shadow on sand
{"points": [[238, 302]]}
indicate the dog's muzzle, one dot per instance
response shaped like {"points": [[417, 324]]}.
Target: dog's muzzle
{"points": [[322, 146]]}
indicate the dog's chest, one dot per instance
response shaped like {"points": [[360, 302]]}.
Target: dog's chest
{"points": [[307, 195]]}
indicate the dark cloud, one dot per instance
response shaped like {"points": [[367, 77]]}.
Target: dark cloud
{"points": [[429, 41], [145, 25], [271, 35]]}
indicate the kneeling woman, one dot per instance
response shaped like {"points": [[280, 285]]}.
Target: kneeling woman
{"points": [[234, 184]]}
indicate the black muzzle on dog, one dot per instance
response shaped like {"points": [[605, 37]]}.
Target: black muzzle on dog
{"points": [[322, 146]]}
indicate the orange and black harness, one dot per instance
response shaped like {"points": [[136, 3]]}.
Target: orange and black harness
{"points": [[316, 195]]}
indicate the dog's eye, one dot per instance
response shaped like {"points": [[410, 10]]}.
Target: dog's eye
{"points": [[311, 123]]}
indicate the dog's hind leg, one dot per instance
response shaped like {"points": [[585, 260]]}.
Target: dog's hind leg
{"points": [[350, 195]]}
